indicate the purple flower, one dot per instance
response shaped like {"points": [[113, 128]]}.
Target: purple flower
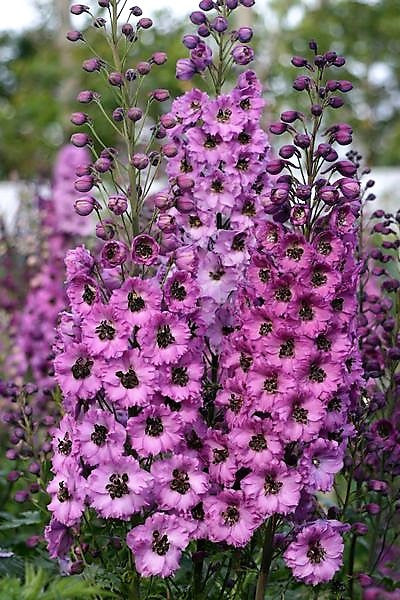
{"points": [[201, 56], [144, 250], [101, 437], [180, 483], [157, 544], [119, 489], [155, 430], [316, 553], [242, 55], [230, 518], [114, 253], [128, 380]]}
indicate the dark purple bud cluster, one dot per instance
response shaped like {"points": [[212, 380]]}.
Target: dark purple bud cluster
{"points": [[311, 166]]}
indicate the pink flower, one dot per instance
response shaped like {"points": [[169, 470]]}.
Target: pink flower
{"points": [[322, 459], [165, 340], [274, 488], [119, 489], [157, 544], [230, 518], [316, 553], [104, 333], [100, 436], [65, 443], [137, 300], [76, 371], [155, 430], [180, 482], [182, 379], [128, 380], [67, 491]]}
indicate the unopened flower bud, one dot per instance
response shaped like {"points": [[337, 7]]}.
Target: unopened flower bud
{"points": [[140, 161], [86, 96], [242, 55], [134, 114], [85, 205], [245, 34], [220, 24], [84, 184], [145, 23], [197, 17], [170, 150], [79, 118], [143, 68], [118, 204], [80, 139], [78, 9], [159, 58], [190, 41], [116, 79], [160, 95], [298, 61], [74, 36]]}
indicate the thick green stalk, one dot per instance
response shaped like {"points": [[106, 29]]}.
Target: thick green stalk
{"points": [[266, 559]]}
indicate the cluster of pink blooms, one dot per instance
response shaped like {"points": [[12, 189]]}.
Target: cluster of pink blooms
{"points": [[208, 364], [36, 322]]}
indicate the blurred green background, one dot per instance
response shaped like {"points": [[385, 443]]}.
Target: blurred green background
{"points": [[40, 72]]}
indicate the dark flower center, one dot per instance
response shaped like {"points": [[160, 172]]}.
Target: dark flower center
{"points": [[118, 485], [144, 249], [249, 208], [244, 138], [99, 435], [271, 485], [337, 304], [217, 186], [242, 164], [160, 544], [295, 253], [178, 291], [105, 331], [258, 443], [324, 248], [63, 494], [135, 302], [235, 403], [154, 426], [317, 374], [186, 167], [271, 384], [231, 515], [264, 275], [210, 142], [265, 328], [287, 349], [300, 415], [334, 405], [164, 336], [82, 368], [245, 362], [323, 343], [245, 104], [217, 275], [88, 295], [223, 115], [316, 553], [180, 482], [318, 278], [65, 445], [283, 294], [238, 242], [220, 455], [194, 221], [198, 512], [179, 376], [193, 440], [129, 380], [306, 313]]}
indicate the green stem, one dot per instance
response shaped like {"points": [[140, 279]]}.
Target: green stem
{"points": [[350, 572], [266, 559]]}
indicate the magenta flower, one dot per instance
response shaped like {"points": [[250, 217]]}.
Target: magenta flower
{"points": [[101, 437], [65, 443], [76, 371], [157, 545], [137, 300], [316, 553], [83, 293], [144, 250], [119, 489], [323, 459], [104, 333], [182, 379], [155, 430], [128, 380], [180, 482], [59, 539], [67, 491], [274, 489], [230, 518], [165, 340]]}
